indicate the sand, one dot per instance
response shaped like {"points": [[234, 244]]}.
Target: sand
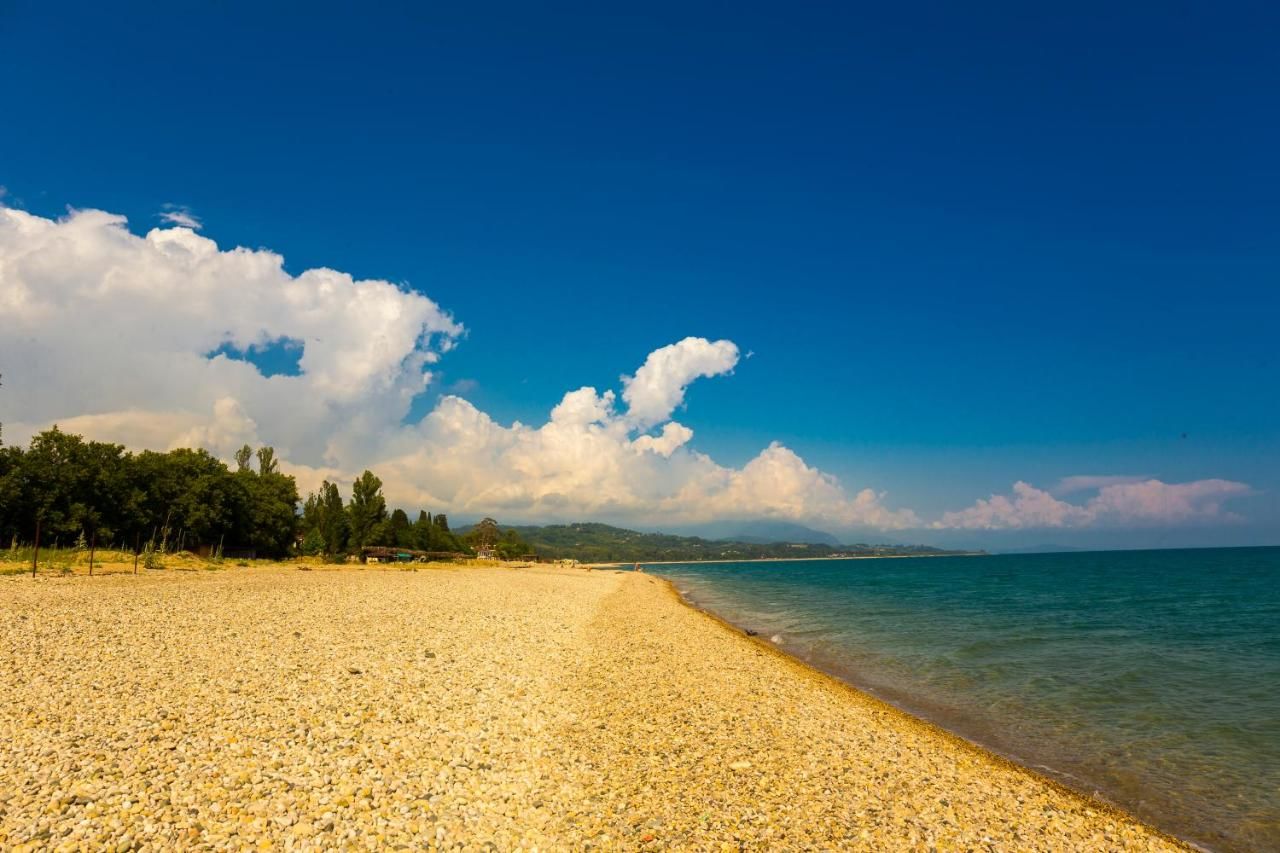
{"points": [[549, 709]]}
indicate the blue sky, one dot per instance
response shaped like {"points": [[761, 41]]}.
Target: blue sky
{"points": [[963, 246]]}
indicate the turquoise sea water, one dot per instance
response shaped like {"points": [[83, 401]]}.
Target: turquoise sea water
{"points": [[1149, 677]]}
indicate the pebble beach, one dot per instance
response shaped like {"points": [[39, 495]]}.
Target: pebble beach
{"points": [[469, 708]]}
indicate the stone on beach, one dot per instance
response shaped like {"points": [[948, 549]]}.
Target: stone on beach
{"points": [[493, 709]]}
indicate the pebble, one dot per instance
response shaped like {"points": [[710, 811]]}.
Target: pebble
{"points": [[544, 709]]}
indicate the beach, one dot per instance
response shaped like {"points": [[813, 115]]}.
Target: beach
{"points": [[481, 708]]}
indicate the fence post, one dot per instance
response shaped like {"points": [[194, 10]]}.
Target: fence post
{"points": [[35, 555], [93, 541], [137, 539]]}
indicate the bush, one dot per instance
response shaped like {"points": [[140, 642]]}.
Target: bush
{"points": [[151, 557]]}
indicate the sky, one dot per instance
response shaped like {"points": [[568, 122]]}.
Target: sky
{"points": [[989, 277]]}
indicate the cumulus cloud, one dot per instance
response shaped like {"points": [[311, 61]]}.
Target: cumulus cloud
{"points": [[1152, 501], [129, 338], [109, 333], [657, 389], [673, 436], [132, 339], [778, 483], [1119, 501], [591, 459]]}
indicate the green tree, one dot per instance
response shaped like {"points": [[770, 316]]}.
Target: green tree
{"points": [[424, 532], [267, 519], [324, 515], [336, 529], [267, 461], [71, 486], [367, 509], [510, 546], [205, 510], [312, 544], [101, 507], [401, 530], [243, 455], [485, 535], [49, 482], [13, 514]]}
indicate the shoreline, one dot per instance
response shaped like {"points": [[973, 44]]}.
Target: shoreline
{"points": [[787, 559], [907, 717], [542, 707]]}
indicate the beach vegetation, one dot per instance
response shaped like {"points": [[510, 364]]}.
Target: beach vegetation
{"points": [[180, 500], [64, 493], [367, 511]]}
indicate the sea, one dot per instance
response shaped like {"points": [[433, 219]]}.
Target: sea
{"points": [[1148, 678]]}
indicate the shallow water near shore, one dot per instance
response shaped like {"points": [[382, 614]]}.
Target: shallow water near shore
{"points": [[1149, 677]]}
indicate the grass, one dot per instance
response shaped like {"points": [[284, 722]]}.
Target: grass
{"points": [[56, 561], [68, 561]]}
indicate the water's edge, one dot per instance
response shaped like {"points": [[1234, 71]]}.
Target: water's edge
{"points": [[904, 708]]}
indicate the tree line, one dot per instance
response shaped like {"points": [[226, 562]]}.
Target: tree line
{"points": [[331, 528], [71, 489]]}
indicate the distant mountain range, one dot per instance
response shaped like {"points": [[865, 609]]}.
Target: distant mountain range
{"points": [[760, 532], [603, 543]]}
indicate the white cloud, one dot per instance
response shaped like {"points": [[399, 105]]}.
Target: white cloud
{"points": [[108, 333], [1026, 507], [1152, 501], [1120, 501], [674, 436], [180, 215], [777, 483], [590, 461], [658, 387]]}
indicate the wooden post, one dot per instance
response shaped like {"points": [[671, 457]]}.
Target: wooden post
{"points": [[137, 538], [93, 541], [35, 556]]}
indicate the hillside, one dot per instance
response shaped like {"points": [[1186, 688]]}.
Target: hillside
{"points": [[759, 532], [591, 542]]}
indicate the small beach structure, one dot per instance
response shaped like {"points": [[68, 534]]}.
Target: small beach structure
{"points": [[385, 554]]}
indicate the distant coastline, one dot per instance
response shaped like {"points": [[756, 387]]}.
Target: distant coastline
{"points": [[593, 542], [798, 559]]}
